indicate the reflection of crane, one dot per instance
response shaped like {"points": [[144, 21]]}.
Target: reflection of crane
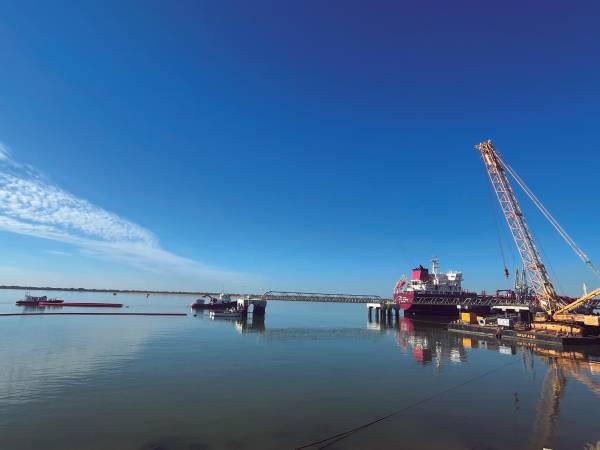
{"points": [[586, 380], [556, 307], [560, 366], [575, 364], [548, 407]]}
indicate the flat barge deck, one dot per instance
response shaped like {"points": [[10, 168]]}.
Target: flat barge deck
{"points": [[525, 335], [82, 304]]}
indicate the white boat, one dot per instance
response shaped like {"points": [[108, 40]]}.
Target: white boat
{"points": [[227, 314]]}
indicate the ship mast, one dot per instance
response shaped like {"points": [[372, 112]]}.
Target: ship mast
{"points": [[435, 268], [532, 260]]}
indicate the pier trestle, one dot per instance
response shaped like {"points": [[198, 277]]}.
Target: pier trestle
{"points": [[259, 306]]}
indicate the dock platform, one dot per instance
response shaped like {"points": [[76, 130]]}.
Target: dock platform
{"points": [[525, 335]]}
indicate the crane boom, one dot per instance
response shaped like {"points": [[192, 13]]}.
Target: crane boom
{"points": [[580, 301], [532, 260]]}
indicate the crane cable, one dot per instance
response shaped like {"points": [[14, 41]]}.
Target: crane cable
{"points": [[585, 258], [345, 434]]}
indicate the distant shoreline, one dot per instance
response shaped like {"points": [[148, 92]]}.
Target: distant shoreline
{"points": [[110, 291]]}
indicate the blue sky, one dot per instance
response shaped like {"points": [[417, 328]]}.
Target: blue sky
{"points": [[271, 145]]}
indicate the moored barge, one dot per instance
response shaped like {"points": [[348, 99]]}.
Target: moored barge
{"points": [[526, 335], [83, 304]]}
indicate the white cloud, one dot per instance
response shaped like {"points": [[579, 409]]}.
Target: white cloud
{"points": [[58, 253], [33, 202], [4, 152], [31, 205]]}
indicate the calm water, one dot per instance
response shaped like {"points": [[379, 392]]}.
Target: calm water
{"points": [[307, 372]]}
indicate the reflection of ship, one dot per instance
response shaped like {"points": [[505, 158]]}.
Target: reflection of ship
{"points": [[255, 324], [433, 292], [244, 323], [429, 342], [251, 324]]}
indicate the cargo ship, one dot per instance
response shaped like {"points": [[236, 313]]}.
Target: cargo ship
{"points": [[434, 292]]}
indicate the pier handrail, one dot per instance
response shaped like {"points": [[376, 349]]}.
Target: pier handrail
{"points": [[321, 294], [321, 297]]}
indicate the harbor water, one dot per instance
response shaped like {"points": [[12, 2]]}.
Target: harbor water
{"points": [[304, 373]]}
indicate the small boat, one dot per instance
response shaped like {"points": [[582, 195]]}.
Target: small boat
{"points": [[226, 314], [211, 303], [31, 300]]}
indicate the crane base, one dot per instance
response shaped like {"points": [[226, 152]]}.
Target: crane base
{"points": [[559, 327]]}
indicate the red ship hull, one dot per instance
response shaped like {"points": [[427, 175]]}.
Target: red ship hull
{"points": [[441, 304]]}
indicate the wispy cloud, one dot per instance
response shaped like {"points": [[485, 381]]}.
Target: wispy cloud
{"points": [[32, 205], [4, 152], [58, 253]]}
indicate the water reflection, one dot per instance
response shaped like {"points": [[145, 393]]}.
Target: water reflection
{"points": [[139, 377], [562, 365], [431, 343], [427, 340], [248, 323], [42, 357], [256, 325]]}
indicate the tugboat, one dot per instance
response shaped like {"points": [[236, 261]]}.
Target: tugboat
{"points": [[31, 300], [211, 303]]}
